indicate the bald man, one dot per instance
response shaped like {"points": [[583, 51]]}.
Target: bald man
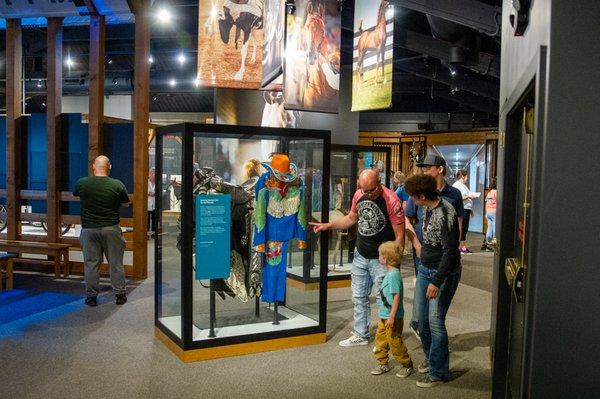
{"points": [[380, 218], [101, 197]]}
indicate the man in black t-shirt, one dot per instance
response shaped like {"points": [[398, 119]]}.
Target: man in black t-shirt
{"points": [[378, 214], [101, 197], [438, 276]]}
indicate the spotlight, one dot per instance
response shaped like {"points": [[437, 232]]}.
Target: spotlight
{"points": [[44, 104], [39, 84], [109, 61], [172, 82], [290, 6], [114, 81], [164, 16], [452, 71], [151, 59], [69, 62], [197, 82], [340, 5], [154, 98], [181, 59]]}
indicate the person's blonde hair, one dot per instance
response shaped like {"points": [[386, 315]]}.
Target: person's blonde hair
{"points": [[391, 253], [251, 169]]}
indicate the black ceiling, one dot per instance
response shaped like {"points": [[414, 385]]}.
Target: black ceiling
{"points": [[428, 46]]}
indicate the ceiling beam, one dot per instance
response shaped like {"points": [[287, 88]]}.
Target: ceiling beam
{"points": [[472, 13], [486, 64], [442, 75], [469, 100]]}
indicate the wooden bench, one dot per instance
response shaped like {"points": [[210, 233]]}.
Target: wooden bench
{"points": [[6, 270], [57, 254]]}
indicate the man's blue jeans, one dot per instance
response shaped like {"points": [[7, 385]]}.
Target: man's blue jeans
{"points": [[365, 273], [432, 320]]}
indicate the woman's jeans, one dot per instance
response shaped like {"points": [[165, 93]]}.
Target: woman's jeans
{"points": [[432, 320], [365, 273], [491, 226]]}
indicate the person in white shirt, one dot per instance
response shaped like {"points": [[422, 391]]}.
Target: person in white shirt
{"points": [[461, 184], [151, 203]]}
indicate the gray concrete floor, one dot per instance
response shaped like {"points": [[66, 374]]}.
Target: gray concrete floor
{"points": [[110, 351]]}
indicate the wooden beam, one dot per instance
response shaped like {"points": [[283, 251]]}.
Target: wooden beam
{"points": [[14, 65], [141, 114], [53, 129], [96, 104]]}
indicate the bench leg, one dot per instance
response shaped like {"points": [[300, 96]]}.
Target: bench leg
{"points": [[9, 274]]}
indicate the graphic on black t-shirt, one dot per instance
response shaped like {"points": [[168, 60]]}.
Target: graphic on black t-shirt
{"points": [[371, 219]]}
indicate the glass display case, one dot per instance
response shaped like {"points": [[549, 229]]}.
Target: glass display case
{"points": [[347, 161], [233, 214]]}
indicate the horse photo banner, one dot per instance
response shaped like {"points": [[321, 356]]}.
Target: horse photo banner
{"points": [[373, 55], [230, 43], [312, 57], [274, 45]]}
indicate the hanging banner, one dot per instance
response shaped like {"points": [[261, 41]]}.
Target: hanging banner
{"points": [[230, 43], [312, 56], [373, 55], [213, 236], [272, 62]]}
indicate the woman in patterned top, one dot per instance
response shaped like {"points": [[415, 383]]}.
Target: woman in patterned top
{"points": [[438, 276]]}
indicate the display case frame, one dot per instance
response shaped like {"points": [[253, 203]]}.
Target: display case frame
{"points": [[184, 345]]}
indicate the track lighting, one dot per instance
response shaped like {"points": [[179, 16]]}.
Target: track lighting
{"points": [[290, 6]]}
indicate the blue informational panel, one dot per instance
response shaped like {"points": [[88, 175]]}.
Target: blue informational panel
{"points": [[213, 232]]}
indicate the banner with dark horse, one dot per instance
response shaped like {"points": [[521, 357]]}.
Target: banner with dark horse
{"points": [[230, 43], [373, 55], [274, 45], [312, 57]]}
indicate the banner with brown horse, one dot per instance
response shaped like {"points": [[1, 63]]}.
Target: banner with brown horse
{"points": [[230, 43], [373, 55], [312, 56]]}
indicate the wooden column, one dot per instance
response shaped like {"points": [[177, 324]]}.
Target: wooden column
{"points": [[53, 128], [14, 65], [141, 110], [96, 104]]}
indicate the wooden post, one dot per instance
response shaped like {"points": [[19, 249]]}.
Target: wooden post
{"points": [[53, 128], [141, 110], [14, 74], [96, 104]]}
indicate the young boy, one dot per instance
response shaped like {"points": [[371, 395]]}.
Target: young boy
{"points": [[391, 313]]}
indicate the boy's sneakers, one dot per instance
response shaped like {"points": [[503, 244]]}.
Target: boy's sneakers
{"points": [[465, 251], [354, 340], [404, 371], [380, 369], [423, 367], [121, 299], [427, 382]]}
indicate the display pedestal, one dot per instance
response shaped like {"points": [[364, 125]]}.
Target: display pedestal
{"points": [[197, 355]]}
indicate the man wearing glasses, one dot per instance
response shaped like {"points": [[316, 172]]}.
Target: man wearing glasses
{"points": [[378, 213]]}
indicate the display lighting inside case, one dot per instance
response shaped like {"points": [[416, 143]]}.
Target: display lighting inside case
{"points": [[233, 218]]}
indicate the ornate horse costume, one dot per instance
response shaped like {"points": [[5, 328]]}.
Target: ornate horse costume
{"points": [[373, 40], [246, 16], [322, 66]]}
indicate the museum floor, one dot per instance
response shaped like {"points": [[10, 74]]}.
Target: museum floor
{"points": [[53, 346]]}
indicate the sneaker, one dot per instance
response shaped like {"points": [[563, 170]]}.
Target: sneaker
{"points": [[404, 371], [354, 340], [121, 299], [380, 369], [427, 382], [413, 328], [91, 301], [423, 367], [465, 251]]}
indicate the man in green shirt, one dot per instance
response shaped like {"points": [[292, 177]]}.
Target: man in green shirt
{"points": [[101, 197]]}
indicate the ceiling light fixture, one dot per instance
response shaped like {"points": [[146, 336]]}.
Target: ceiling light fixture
{"points": [[151, 59], [172, 82], [164, 16], [39, 84], [109, 61], [290, 6], [197, 82], [69, 62], [181, 59]]}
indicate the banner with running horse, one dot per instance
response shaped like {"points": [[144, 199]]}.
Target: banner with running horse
{"points": [[230, 43], [312, 57], [373, 55]]}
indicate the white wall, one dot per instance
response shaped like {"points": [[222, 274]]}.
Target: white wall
{"points": [[116, 106]]}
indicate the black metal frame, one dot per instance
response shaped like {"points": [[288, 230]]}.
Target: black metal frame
{"points": [[306, 278], [188, 131]]}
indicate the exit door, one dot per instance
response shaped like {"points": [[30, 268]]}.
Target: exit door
{"points": [[517, 265]]}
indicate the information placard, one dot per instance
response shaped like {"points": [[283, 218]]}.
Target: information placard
{"points": [[213, 229]]}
